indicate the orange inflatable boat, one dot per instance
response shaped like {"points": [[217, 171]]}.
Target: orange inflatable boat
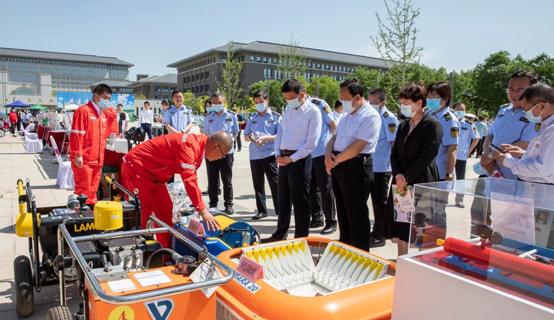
{"points": [[308, 278]]}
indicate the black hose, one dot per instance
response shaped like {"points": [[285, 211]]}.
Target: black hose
{"points": [[162, 250]]}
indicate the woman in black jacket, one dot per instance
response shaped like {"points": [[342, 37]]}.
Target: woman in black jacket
{"points": [[412, 155]]}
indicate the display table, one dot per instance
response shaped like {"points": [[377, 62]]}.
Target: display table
{"points": [[40, 131], [58, 137]]}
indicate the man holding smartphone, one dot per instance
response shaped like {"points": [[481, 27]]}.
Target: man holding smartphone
{"points": [[260, 131]]}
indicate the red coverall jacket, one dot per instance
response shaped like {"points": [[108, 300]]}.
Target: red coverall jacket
{"points": [[157, 160], [13, 117], [111, 120], [88, 135]]}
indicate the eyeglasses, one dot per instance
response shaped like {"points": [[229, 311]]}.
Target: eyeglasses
{"points": [[512, 90]]}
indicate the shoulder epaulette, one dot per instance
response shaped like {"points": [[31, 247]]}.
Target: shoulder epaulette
{"points": [[447, 116], [386, 114], [316, 101], [504, 105], [277, 114]]}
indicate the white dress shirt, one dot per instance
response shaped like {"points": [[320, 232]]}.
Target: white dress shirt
{"points": [[365, 125], [146, 116], [536, 165], [299, 130], [337, 117]]}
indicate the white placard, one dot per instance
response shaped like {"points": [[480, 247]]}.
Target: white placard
{"points": [[513, 216], [151, 278], [206, 270], [403, 204], [121, 285]]}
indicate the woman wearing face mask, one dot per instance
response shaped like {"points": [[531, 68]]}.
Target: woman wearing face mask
{"points": [[412, 156]]}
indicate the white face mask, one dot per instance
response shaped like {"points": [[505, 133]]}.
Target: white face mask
{"points": [[103, 103], [295, 103], [260, 107], [406, 110]]}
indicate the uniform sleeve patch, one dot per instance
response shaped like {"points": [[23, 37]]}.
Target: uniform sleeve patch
{"points": [[316, 101], [455, 132], [392, 127], [524, 119], [447, 116], [538, 127], [475, 129], [386, 115], [326, 109]]}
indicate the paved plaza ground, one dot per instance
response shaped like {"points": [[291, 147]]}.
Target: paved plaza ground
{"points": [[39, 169]]}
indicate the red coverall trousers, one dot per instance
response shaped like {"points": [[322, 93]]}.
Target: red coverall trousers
{"points": [[87, 180]]}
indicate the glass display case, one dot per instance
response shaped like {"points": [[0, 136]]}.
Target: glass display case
{"points": [[491, 258]]}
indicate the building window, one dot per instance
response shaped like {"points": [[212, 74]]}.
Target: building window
{"points": [[207, 87], [202, 76], [157, 97], [251, 58], [270, 61], [157, 88], [207, 75], [265, 60], [165, 88], [201, 88], [258, 59], [192, 89]]}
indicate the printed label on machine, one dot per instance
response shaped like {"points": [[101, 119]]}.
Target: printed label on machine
{"points": [[196, 228], [250, 268], [246, 283], [206, 270], [121, 285], [151, 278]]}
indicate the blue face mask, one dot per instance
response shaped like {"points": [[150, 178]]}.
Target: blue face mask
{"points": [[460, 114], [103, 103], [260, 107], [532, 118], [209, 109], [434, 104], [217, 107], [375, 106]]}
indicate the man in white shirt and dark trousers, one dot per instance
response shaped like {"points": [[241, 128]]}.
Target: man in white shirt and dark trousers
{"points": [[146, 118], [337, 113], [348, 159], [382, 171], [296, 138]]}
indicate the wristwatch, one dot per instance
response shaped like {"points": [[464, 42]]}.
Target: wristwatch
{"points": [[490, 155], [450, 175]]}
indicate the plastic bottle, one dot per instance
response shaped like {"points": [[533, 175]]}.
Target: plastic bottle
{"points": [[497, 174]]}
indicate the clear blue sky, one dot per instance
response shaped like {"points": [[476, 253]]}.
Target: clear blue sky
{"points": [[455, 34]]}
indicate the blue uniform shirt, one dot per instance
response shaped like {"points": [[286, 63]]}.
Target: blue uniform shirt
{"points": [[450, 133], [326, 118], [178, 118], [227, 121], [509, 127], [268, 125], [162, 114], [387, 134], [468, 132]]}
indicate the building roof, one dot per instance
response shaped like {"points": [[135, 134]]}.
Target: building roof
{"points": [[273, 48], [114, 83], [170, 78], [33, 54]]}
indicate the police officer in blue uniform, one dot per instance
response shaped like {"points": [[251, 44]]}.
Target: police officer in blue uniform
{"points": [[161, 118], [382, 171], [260, 131], [439, 96], [348, 158], [207, 111], [321, 188], [295, 141], [510, 126], [179, 117], [221, 120]]}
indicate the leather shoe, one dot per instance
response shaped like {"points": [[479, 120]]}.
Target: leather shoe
{"points": [[330, 228], [271, 239], [206, 193], [316, 224], [460, 205], [374, 243], [259, 216], [229, 210]]}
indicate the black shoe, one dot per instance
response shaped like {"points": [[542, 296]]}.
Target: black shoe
{"points": [[271, 239], [330, 228], [258, 216], [229, 210], [374, 243], [460, 205], [316, 224], [240, 149], [205, 192]]}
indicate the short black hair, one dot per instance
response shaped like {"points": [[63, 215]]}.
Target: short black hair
{"points": [[380, 92], [119, 105], [165, 102], [292, 85], [208, 101], [442, 88], [146, 102], [338, 104], [260, 94], [481, 118], [102, 88], [532, 76], [354, 87], [174, 92], [414, 92], [217, 95], [456, 104], [539, 92]]}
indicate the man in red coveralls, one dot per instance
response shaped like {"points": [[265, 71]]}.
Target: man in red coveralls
{"points": [[148, 166], [13, 121], [88, 142]]}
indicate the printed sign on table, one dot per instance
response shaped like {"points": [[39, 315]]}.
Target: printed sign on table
{"points": [[403, 204], [250, 268], [196, 228]]}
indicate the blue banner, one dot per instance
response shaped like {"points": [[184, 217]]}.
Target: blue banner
{"points": [[79, 99]]}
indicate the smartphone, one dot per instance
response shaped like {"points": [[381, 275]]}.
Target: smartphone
{"points": [[252, 139], [497, 148]]}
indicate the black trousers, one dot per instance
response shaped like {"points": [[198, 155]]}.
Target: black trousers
{"points": [[460, 175], [268, 167], [12, 127], [224, 167], [165, 130], [238, 140], [147, 129], [321, 193], [480, 146], [379, 198], [352, 182], [294, 190]]}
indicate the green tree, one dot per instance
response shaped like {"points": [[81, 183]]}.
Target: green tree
{"points": [[140, 96], [54, 93], [276, 98], [328, 89], [231, 69], [292, 59], [193, 102], [396, 39], [367, 78], [543, 64], [489, 81]]}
